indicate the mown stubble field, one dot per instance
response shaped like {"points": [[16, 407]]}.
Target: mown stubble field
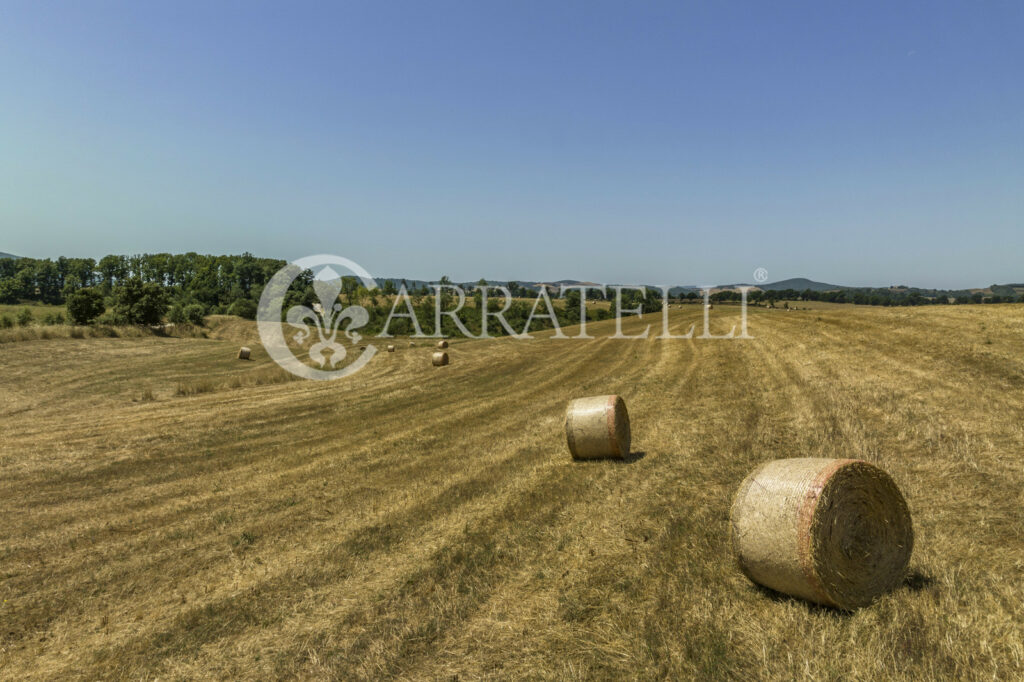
{"points": [[170, 512]]}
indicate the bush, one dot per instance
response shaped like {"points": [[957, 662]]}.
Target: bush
{"points": [[243, 308], [85, 305], [25, 317], [6, 322], [176, 314], [195, 313]]}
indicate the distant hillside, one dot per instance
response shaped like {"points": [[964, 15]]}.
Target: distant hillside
{"points": [[800, 284], [8, 255]]}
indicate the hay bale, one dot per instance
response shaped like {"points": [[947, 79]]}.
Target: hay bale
{"points": [[391, 348], [412, 344], [833, 531], [597, 426], [244, 353], [440, 359], [442, 344]]}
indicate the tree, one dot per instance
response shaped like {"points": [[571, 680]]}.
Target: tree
{"points": [[8, 291], [138, 303], [85, 305]]}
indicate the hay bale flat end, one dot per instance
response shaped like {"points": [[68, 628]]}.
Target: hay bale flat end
{"points": [[832, 531]]}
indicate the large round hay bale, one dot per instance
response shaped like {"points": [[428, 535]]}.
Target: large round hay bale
{"points": [[244, 353], [833, 531], [597, 426], [440, 359], [442, 344], [391, 348]]}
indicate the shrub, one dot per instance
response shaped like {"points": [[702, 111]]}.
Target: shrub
{"points": [[176, 314], [6, 322], [243, 308], [25, 317], [85, 305], [195, 314]]}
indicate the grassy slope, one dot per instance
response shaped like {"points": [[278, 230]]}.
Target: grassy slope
{"points": [[426, 522], [38, 310]]}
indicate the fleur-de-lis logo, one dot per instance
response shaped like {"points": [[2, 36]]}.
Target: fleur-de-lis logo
{"points": [[326, 318], [321, 323]]}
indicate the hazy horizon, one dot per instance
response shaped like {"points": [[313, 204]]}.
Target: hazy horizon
{"points": [[865, 146]]}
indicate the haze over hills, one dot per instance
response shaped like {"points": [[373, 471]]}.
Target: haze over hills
{"points": [[798, 284], [8, 255]]}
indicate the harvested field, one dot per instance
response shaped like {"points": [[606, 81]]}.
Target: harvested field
{"points": [[425, 524]]}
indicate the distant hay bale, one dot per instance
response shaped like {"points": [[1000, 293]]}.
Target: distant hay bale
{"points": [[440, 359], [391, 348], [833, 531], [442, 344], [597, 426], [244, 353]]}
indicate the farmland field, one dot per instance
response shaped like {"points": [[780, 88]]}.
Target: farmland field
{"points": [[169, 512]]}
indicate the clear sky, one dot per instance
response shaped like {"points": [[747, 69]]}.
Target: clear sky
{"points": [[861, 143]]}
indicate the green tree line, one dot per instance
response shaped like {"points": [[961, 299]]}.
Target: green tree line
{"points": [[184, 288]]}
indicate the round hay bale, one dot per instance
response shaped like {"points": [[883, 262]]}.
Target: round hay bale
{"points": [[442, 344], [391, 348], [597, 426], [833, 531], [244, 353], [440, 359]]}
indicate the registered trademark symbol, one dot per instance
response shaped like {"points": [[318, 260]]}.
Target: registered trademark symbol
{"points": [[760, 275]]}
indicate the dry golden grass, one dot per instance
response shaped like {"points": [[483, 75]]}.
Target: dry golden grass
{"points": [[424, 523]]}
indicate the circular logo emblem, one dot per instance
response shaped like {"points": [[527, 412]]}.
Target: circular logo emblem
{"points": [[317, 332]]}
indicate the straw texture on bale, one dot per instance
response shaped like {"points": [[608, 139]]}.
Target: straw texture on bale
{"points": [[833, 531], [440, 359], [442, 344], [391, 348], [243, 353], [597, 426]]}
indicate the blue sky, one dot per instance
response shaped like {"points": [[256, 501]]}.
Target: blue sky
{"points": [[857, 143]]}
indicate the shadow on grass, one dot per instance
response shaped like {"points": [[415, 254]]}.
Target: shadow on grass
{"points": [[915, 582], [628, 459]]}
